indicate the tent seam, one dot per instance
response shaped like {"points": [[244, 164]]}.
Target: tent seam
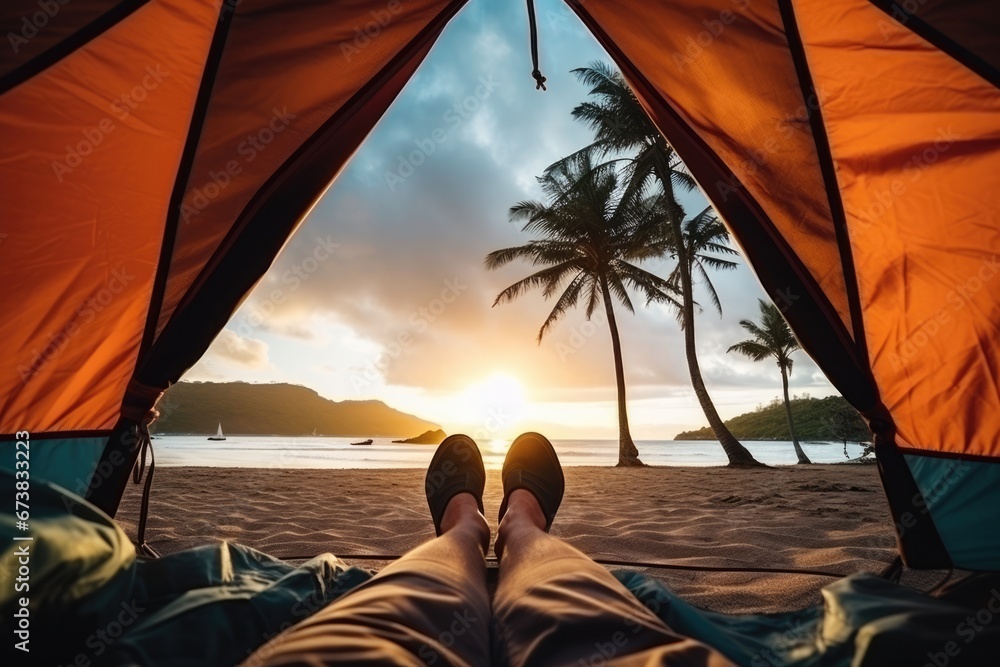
{"points": [[901, 491], [77, 40], [199, 114], [806, 279], [941, 41]]}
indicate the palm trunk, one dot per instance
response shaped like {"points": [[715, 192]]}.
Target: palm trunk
{"points": [[791, 425], [737, 454], [628, 455]]}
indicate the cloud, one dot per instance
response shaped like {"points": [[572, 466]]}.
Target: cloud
{"points": [[387, 298], [235, 349]]}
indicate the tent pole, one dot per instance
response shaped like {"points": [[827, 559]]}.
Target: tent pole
{"points": [[917, 537], [110, 477]]}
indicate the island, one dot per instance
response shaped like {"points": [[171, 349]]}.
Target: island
{"points": [[817, 419], [276, 409], [433, 437]]}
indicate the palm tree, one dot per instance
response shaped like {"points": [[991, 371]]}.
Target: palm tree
{"points": [[591, 239], [705, 241], [772, 338], [621, 126]]}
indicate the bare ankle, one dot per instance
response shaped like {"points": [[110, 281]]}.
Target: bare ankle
{"points": [[523, 516], [462, 514], [522, 504]]}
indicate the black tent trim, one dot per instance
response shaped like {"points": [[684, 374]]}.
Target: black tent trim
{"points": [[826, 339], [941, 41], [211, 69], [954, 456], [902, 490], [60, 50], [786, 281], [60, 435], [825, 157]]}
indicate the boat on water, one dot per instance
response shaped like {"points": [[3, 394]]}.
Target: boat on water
{"points": [[364, 442], [218, 434]]}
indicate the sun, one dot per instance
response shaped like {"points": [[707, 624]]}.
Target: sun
{"points": [[497, 403]]}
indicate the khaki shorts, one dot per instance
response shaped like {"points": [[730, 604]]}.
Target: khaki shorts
{"points": [[561, 609]]}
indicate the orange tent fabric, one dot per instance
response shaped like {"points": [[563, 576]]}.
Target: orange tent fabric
{"points": [[92, 149], [852, 146], [726, 71], [135, 158]]}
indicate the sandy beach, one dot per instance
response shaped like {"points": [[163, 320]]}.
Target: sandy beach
{"points": [[828, 517]]}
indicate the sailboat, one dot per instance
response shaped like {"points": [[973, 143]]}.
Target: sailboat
{"points": [[218, 434]]}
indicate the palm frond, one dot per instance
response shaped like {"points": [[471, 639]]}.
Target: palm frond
{"points": [[593, 298], [616, 288], [710, 287], [751, 349], [650, 285], [566, 301], [547, 279], [504, 256]]}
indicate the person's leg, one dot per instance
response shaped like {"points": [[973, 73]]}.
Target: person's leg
{"points": [[430, 607], [555, 606]]}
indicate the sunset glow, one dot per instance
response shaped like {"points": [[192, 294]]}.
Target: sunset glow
{"points": [[494, 404], [382, 294]]}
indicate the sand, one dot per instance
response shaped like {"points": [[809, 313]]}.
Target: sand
{"points": [[829, 517]]}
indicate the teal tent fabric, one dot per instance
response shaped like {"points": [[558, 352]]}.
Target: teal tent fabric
{"points": [[864, 621], [93, 602], [68, 462], [949, 489]]}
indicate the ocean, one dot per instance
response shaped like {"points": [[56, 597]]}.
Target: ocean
{"points": [[328, 452]]}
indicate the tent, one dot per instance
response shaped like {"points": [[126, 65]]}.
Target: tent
{"points": [[852, 147]]}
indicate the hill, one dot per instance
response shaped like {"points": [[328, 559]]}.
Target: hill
{"points": [[276, 409], [830, 418], [425, 438]]}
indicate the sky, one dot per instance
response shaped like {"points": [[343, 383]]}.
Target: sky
{"points": [[382, 292]]}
